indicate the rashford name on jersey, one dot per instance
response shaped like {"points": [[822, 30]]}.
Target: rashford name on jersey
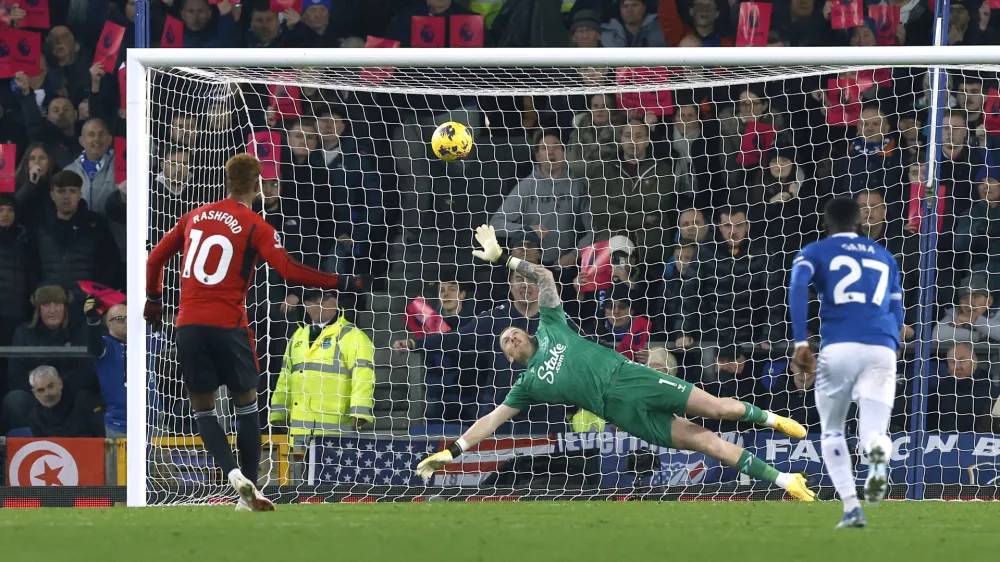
{"points": [[221, 244]]}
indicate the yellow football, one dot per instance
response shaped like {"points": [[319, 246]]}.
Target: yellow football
{"points": [[451, 141]]}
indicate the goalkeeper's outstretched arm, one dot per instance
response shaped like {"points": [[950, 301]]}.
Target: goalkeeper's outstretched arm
{"points": [[548, 294], [483, 428]]}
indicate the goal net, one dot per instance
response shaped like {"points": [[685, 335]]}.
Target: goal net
{"points": [[668, 200]]}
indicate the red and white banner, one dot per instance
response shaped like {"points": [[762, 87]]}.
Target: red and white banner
{"points": [[55, 462], [471, 468]]}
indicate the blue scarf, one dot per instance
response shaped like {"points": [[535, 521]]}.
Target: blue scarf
{"points": [[90, 168], [859, 146]]}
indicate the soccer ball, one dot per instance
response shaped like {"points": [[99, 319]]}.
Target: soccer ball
{"points": [[451, 141]]}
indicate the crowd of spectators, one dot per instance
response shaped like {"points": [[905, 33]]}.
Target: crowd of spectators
{"points": [[689, 204]]}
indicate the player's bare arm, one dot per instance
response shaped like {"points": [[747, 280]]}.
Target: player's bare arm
{"points": [[548, 294], [483, 428]]}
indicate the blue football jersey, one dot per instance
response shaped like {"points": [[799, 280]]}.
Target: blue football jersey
{"points": [[859, 288]]}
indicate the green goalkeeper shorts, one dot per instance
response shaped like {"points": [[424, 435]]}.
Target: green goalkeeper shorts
{"points": [[643, 402]]}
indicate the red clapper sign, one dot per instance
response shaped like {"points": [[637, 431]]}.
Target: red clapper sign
{"points": [[466, 31], [426, 31], [264, 145], [8, 164], [37, 14], [108, 46], [286, 100], [278, 6], [20, 51], [755, 23], [886, 21], [173, 34], [381, 74], [121, 159], [846, 14], [843, 102]]}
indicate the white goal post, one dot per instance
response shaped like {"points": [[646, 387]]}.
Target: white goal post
{"points": [[326, 68]]}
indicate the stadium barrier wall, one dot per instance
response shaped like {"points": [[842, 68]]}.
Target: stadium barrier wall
{"points": [[959, 466]]}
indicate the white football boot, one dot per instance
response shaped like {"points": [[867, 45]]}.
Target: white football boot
{"points": [[250, 497], [877, 483]]}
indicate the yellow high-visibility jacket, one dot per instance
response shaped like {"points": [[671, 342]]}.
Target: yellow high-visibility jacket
{"points": [[489, 9], [323, 385]]}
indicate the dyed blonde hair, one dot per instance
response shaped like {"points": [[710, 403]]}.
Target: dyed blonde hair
{"points": [[663, 361]]}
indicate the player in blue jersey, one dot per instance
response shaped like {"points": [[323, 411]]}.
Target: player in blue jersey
{"points": [[861, 310]]}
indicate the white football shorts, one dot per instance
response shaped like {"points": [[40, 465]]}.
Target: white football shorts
{"points": [[856, 370]]}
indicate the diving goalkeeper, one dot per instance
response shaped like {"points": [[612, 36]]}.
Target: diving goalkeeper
{"points": [[564, 368]]}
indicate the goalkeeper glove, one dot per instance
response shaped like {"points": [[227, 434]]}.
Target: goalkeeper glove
{"points": [[427, 466], [487, 237]]}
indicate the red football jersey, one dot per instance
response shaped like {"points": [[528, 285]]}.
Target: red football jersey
{"points": [[221, 243]]}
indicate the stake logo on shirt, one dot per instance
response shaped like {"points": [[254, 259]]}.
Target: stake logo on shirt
{"points": [[552, 365]]}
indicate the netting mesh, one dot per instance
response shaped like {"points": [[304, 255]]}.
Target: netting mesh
{"points": [[669, 203]]}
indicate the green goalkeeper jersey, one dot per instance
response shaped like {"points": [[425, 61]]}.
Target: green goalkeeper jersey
{"points": [[566, 369]]}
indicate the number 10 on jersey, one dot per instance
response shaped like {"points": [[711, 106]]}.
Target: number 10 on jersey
{"points": [[197, 255]]}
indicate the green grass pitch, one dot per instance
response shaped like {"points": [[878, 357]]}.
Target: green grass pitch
{"points": [[508, 531]]}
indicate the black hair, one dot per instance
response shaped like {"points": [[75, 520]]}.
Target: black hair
{"points": [[49, 101], [311, 295], [67, 178], [969, 79], [956, 112], [730, 211], [540, 139], [874, 105], [452, 280], [841, 214], [729, 352], [329, 109]]}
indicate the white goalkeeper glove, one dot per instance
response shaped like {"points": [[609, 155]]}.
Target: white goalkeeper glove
{"points": [[487, 237], [427, 466]]}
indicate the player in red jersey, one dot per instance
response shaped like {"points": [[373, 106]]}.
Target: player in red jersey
{"points": [[221, 244]]}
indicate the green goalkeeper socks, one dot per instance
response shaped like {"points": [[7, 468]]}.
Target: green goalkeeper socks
{"points": [[756, 468], [753, 414]]}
